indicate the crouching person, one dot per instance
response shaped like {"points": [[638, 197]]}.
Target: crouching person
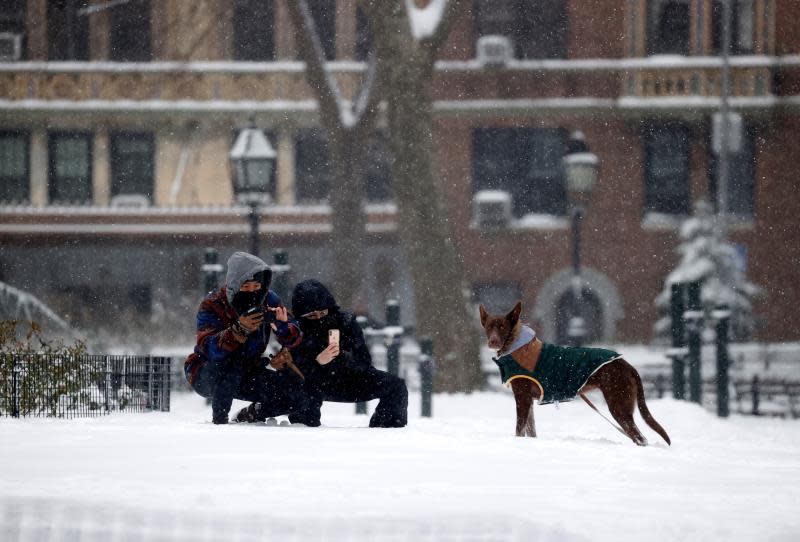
{"points": [[233, 328], [343, 372]]}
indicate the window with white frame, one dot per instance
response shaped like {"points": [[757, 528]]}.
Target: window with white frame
{"points": [[667, 163], [130, 32], [313, 169], [14, 170], [742, 27], [254, 30], [70, 167], [526, 163], [12, 21], [538, 28], [668, 27], [67, 30], [132, 163]]}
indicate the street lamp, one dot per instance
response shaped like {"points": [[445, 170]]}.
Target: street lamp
{"points": [[252, 161], [580, 173]]}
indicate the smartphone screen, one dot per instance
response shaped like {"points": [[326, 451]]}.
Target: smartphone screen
{"points": [[333, 336]]}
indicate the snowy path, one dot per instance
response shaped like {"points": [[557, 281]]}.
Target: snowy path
{"points": [[458, 476]]}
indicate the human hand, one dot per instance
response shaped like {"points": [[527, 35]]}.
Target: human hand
{"points": [[281, 313], [327, 355], [251, 322]]}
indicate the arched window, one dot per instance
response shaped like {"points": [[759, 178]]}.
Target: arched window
{"points": [[589, 309]]}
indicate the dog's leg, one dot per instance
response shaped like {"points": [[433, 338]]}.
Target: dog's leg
{"points": [[523, 395], [531, 425], [618, 386]]}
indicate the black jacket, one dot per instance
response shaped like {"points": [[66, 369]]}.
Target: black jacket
{"points": [[309, 296]]}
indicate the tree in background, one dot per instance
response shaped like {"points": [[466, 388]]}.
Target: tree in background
{"points": [[348, 125], [707, 257], [407, 39]]}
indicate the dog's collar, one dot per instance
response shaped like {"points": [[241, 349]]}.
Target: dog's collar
{"points": [[526, 335]]}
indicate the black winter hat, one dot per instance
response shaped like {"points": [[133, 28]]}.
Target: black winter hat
{"points": [[311, 295]]}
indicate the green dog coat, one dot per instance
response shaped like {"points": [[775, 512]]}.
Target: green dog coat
{"points": [[560, 372]]}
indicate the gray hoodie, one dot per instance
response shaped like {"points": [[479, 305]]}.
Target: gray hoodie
{"points": [[241, 268]]}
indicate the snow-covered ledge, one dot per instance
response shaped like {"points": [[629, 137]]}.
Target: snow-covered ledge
{"points": [[539, 221], [653, 221], [667, 222]]}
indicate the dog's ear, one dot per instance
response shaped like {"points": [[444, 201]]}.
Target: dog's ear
{"points": [[484, 314], [513, 316]]}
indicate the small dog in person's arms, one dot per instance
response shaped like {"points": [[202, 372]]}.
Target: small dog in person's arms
{"points": [[550, 373]]}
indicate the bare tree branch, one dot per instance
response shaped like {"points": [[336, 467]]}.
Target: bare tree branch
{"points": [[366, 101], [331, 101]]}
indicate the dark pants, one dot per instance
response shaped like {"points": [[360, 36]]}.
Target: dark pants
{"points": [[278, 392], [352, 385]]}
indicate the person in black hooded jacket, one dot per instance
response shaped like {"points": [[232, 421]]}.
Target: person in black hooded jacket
{"points": [[342, 373]]}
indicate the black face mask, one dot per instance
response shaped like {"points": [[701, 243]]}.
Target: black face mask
{"points": [[318, 326], [244, 301]]}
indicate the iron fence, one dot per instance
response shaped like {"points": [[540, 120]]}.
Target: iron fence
{"points": [[64, 386], [756, 396]]}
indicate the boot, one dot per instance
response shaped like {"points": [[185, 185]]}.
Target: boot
{"points": [[250, 414]]}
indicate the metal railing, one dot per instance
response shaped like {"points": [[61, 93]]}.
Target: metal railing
{"points": [[65, 386], [756, 396]]}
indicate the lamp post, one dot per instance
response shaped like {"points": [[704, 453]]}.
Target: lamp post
{"points": [[252, 161], [580, 173]]}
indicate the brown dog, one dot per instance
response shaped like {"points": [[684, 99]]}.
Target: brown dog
{"points": [[548, 373]]}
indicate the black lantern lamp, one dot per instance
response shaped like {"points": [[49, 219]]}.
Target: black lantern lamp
{"points": [[252, 161], [580, 174]]}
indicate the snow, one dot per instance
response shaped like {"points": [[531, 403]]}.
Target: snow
{"points": [[425, 20], [461, 475]]}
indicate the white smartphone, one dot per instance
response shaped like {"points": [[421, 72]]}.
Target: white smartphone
{"points": [[333, 336]]}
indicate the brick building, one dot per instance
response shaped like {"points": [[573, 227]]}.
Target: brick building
{"points": [[116, 119]]}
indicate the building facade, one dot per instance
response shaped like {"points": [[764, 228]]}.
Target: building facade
{"points": [[116, 119]]}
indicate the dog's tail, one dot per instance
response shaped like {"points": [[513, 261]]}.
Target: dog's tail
{"points": [[645, 412]]}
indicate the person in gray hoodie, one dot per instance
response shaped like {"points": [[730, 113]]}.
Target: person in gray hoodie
{"points": [[233, 328]]}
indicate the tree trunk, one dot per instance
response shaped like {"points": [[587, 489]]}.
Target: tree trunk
{"points": [[441, 295], [349, 217], [347, 141]]}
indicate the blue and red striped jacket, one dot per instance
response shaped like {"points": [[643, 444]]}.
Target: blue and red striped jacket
{"points": [[216, 342]]}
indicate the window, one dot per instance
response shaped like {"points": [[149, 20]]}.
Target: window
{"points": [[67, 30], [667, 149], [14, 154], [538, 28], [132, 164], [70, 175], [378, 169], [363, 36], [668, 27], [254, 30], [12, 19], [324, 14], [313, 169], [526, 162], [129, 31], [741, 27], [741, 177]]}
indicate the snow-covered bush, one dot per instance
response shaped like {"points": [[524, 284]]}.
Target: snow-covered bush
{"points": [[49, 375], [706, 256]]}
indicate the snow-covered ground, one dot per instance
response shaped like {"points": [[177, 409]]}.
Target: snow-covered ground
{"points": [[461, 475]]}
